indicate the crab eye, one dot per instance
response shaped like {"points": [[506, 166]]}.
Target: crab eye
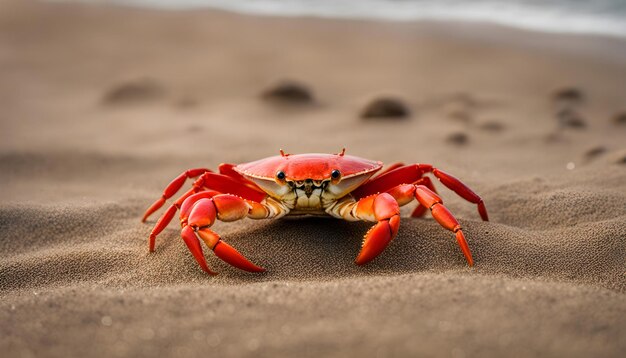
{"points": [[335, 174], [280, 175]]}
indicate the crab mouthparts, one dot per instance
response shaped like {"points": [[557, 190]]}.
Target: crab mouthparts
{"points": [[309, 185]]}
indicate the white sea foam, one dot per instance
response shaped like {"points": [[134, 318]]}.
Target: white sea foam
{"points": [[578, 16]]}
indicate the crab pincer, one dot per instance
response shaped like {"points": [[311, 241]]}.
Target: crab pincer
{"points": [[203, 211], [387, 212]]}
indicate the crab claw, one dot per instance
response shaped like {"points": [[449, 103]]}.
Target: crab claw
{"points": [[377, 239], [386, 210], [227, 252], [233, 257], [192, 242]]}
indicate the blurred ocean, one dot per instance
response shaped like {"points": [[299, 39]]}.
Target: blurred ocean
{"points": [[579, 16]]}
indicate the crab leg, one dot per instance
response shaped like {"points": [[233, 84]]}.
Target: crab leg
{"points": [[227, 184], [177, 183], [380, 208], [462, 190], [171, 189], [429, 199], [382, 183], [444, 217], [227, 169], [411, 174], [420, 209], [391, 167], [199, 211]]}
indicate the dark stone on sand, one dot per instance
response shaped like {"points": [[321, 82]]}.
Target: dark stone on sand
{"points": [[575, 122], [620, 119], [458, 138], [569, 118], [289, 92], [595, 151], [569, 94], [386, 107], [492, 126], [134, 91]]}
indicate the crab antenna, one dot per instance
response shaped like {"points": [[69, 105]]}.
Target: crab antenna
{"points": [[283, 154], [343, 151]]}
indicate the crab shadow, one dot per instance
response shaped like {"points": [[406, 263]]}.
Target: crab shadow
{"points": [[314, 248]]}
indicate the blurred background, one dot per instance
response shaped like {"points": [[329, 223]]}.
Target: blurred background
{"points": [[138, 76], [601, 17], [102, 103]]}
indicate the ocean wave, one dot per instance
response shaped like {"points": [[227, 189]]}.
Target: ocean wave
{"points": [[606, 17]]}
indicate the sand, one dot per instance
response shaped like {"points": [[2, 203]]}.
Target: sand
{"points": [[100, 107]]}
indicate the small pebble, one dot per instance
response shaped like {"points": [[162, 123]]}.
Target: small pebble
{"points": [[106, 320], [569, 118], [289, 92], [386, 107], [458, 138], [134, 91], [595, 151], [620, 119], [492, 126], [575, 122], [569, 94]]}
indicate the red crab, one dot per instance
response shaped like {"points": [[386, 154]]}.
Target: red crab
{"points": [[339, 185]]}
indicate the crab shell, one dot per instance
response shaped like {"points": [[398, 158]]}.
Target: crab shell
{"points": [[316, 167]]}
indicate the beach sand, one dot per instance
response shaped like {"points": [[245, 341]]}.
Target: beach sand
{"points": [[100, 107]]}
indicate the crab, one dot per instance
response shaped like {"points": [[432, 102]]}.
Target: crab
{"points": [[338, 185]]}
